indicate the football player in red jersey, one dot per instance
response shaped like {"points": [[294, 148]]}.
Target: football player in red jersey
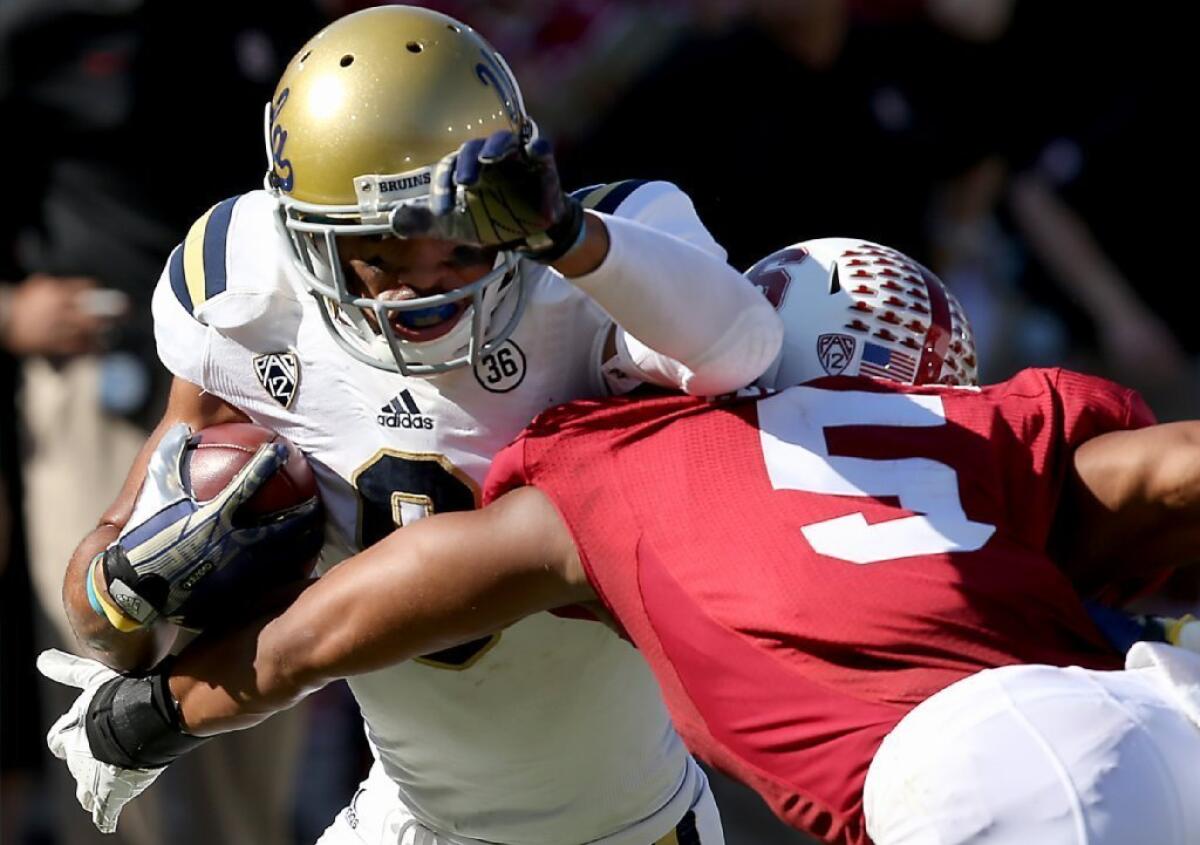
{"points": [[858, 594]]}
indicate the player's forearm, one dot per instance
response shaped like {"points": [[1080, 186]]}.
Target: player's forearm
{"points": [[128, 651], [438, 583], [344, 624], [132, 651], [232, 682], [699, 324]]}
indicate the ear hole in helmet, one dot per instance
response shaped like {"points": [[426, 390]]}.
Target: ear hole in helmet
{"points": [[414, 46], [835, 282], [347, 60]]}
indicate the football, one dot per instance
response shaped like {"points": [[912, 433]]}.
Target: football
{"points": [[214, 455]]}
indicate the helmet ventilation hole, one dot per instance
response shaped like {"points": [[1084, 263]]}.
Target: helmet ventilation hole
{"points": [[347, 60], [304, 58], [414, 46], [453, 28]]}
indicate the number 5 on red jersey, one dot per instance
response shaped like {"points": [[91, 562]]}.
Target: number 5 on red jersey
{"points": [[792, 433]]}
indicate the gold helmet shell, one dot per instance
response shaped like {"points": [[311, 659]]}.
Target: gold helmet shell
{"points": [[357, 122], [383, 91]]}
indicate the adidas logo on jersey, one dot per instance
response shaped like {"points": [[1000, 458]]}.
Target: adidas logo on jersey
{"points": [[402, 412]]}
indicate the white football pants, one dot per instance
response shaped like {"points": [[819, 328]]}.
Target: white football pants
{"points": [[1047, 755], [376, 816]]}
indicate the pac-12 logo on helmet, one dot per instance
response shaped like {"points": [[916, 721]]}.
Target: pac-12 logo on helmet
{"points": [[853, 307], [835, 351]]}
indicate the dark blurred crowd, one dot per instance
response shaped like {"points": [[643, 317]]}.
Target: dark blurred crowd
{"points": [[1029, 152]]}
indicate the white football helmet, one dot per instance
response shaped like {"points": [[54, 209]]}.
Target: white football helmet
{"points": [[852, 307], [360, 117]]}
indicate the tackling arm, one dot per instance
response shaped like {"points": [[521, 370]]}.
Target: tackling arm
{"points": [[440, 582], [140, 649], [1135, 498]]}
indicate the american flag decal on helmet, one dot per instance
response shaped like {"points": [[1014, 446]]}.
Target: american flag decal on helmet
{"points": [[881, 362]]}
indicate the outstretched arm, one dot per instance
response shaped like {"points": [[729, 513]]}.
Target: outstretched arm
{"points": [[437, 583], [688, 320], [1135, 499]]}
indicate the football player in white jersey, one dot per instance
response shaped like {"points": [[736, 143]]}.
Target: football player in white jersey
{"points": [[411, 287]]}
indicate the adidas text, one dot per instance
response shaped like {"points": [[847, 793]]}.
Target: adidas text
{"points": [[404, 421]]}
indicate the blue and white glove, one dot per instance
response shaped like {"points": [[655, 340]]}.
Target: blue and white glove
{"points": [[498, 192], [103, 789], [173, 542]]}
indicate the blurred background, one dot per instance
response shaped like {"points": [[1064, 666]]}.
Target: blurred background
{"points": [[1031, 153]]}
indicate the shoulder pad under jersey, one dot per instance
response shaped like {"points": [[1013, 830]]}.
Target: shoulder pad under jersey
{"points": [[658, 204], [229, 269]]}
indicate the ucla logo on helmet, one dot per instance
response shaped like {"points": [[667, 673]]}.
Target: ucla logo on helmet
{"points": [[835, 351], [491, 72], [281, 168]]}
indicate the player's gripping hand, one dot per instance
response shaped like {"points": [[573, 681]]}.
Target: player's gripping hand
{"points": [[103, 789], [173, 542], [498, 192]]}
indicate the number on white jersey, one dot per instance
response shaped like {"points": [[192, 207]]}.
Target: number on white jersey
{"points": [[792, 433], [397, 488]]}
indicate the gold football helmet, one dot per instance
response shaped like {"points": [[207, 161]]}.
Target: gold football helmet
{"points": [[360, 117]]}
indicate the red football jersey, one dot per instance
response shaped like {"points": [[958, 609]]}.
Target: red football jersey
{"points": [[801, 570]]}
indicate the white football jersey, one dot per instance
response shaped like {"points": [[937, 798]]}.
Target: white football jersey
{"points": [[549, 733]]}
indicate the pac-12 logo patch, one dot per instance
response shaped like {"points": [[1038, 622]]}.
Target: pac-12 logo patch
{"points": [[835, 352], [501, 370], [279, 374]]}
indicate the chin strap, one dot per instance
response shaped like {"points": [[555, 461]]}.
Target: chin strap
{"points": [[134, 723]]}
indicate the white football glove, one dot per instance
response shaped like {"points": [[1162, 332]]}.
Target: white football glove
{"points": [[102, 789]]}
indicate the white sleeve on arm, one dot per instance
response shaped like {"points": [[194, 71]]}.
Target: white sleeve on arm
{"points": [[687, 319]]}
